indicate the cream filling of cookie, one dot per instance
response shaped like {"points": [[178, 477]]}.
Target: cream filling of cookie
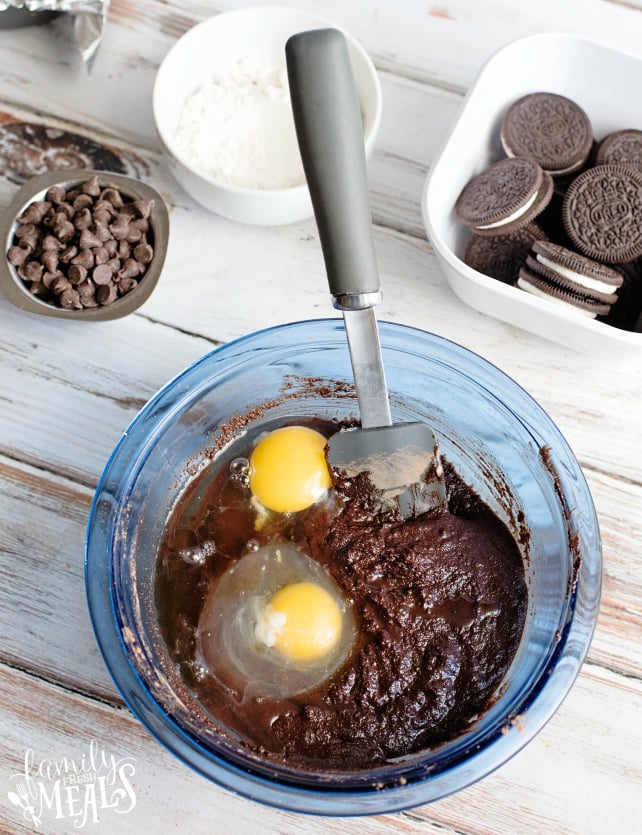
{"points": [[584, 280], [557, 172], [535, 291], [515, 216]]}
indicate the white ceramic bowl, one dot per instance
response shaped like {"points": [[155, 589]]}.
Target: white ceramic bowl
{"points": [[258, 34], [600, 79]]}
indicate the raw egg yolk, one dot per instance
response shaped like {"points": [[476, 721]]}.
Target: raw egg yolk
{"points": [[288, 470], [305, 621]]}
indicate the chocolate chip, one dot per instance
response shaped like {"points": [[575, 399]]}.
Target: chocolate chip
{"points": [[33, 271], [31, 241], [134, 234], [83, 219], [102, 216], [124, 250], [37, 288], [85, 258], [50, 260], [144, 253], [144, 207], [101, 255], [87, 293], [56, 194], [68, 253], [141, 223], [89, 239], [110, 195], [77, 273], [102, 232], [107, 293], [64, 230], [105, 206], [17, 255], [92, 186], [120, 226], [48, 278], [130, 269], [70, 299], [59, 285], [102, 274], [112, 248], [83, 201], [35, 212], [66, 209], [25, 230], [126, 285], [51, 242]]}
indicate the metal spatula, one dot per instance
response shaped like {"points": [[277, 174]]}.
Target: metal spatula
{"points": [[402, 459]]}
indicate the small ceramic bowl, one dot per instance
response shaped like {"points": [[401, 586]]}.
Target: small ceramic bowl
{"points": [[16, 291], [575, 67], [257, 36]]}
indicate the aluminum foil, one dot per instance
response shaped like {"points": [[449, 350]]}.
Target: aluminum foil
{"points": [[89, 18]]}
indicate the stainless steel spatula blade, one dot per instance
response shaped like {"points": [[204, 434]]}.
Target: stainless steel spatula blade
{"points": [[402, 462], [367, 366], [402, 459]]}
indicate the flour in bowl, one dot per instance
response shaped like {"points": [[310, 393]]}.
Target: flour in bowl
{"points": [[238, 127]]}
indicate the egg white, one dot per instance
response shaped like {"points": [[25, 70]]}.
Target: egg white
{"points": [[227, 644]]}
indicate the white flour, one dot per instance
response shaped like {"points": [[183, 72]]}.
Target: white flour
{"points": [[239, 128]]}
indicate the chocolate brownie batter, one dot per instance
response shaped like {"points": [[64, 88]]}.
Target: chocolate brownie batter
{"points": [[440, 602]]}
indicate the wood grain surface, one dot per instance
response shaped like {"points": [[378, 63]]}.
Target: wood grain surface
{"points": [[68, 390]]}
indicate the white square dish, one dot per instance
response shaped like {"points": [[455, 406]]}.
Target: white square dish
{"points": [[605, 83]]}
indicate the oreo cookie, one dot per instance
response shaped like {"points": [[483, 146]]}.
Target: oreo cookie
{"points": [[582, 274], [621, 147], [602, 213], [505, 197], [550, 129], [501, 256], [541, 281]]}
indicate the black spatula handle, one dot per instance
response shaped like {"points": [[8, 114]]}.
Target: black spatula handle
{"points": [[330, 135]]}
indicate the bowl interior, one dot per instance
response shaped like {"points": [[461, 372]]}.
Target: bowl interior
{"points": [[505, 446], [217, 44]]}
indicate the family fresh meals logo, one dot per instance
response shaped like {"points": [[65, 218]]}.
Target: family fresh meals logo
{"points": [[77, 790]]}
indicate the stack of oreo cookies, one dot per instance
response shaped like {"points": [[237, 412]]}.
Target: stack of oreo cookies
{"points": [[558, 273], [561, 215]]}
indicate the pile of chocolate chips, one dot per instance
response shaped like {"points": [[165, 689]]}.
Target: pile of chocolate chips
{"points": [[84, 247]]}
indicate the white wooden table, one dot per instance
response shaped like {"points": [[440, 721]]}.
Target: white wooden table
{"points": [[67, 390]]}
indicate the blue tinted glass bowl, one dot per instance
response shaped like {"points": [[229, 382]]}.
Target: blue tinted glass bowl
{"points": [[498, 438]]}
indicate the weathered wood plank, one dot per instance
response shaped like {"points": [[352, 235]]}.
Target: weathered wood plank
{"points": [[70, 389], [583, 763], [161, 795], [438, 44], [581, 774], [43, 608]]}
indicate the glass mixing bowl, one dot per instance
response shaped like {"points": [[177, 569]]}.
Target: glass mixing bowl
{"points": [[497, 437]]}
